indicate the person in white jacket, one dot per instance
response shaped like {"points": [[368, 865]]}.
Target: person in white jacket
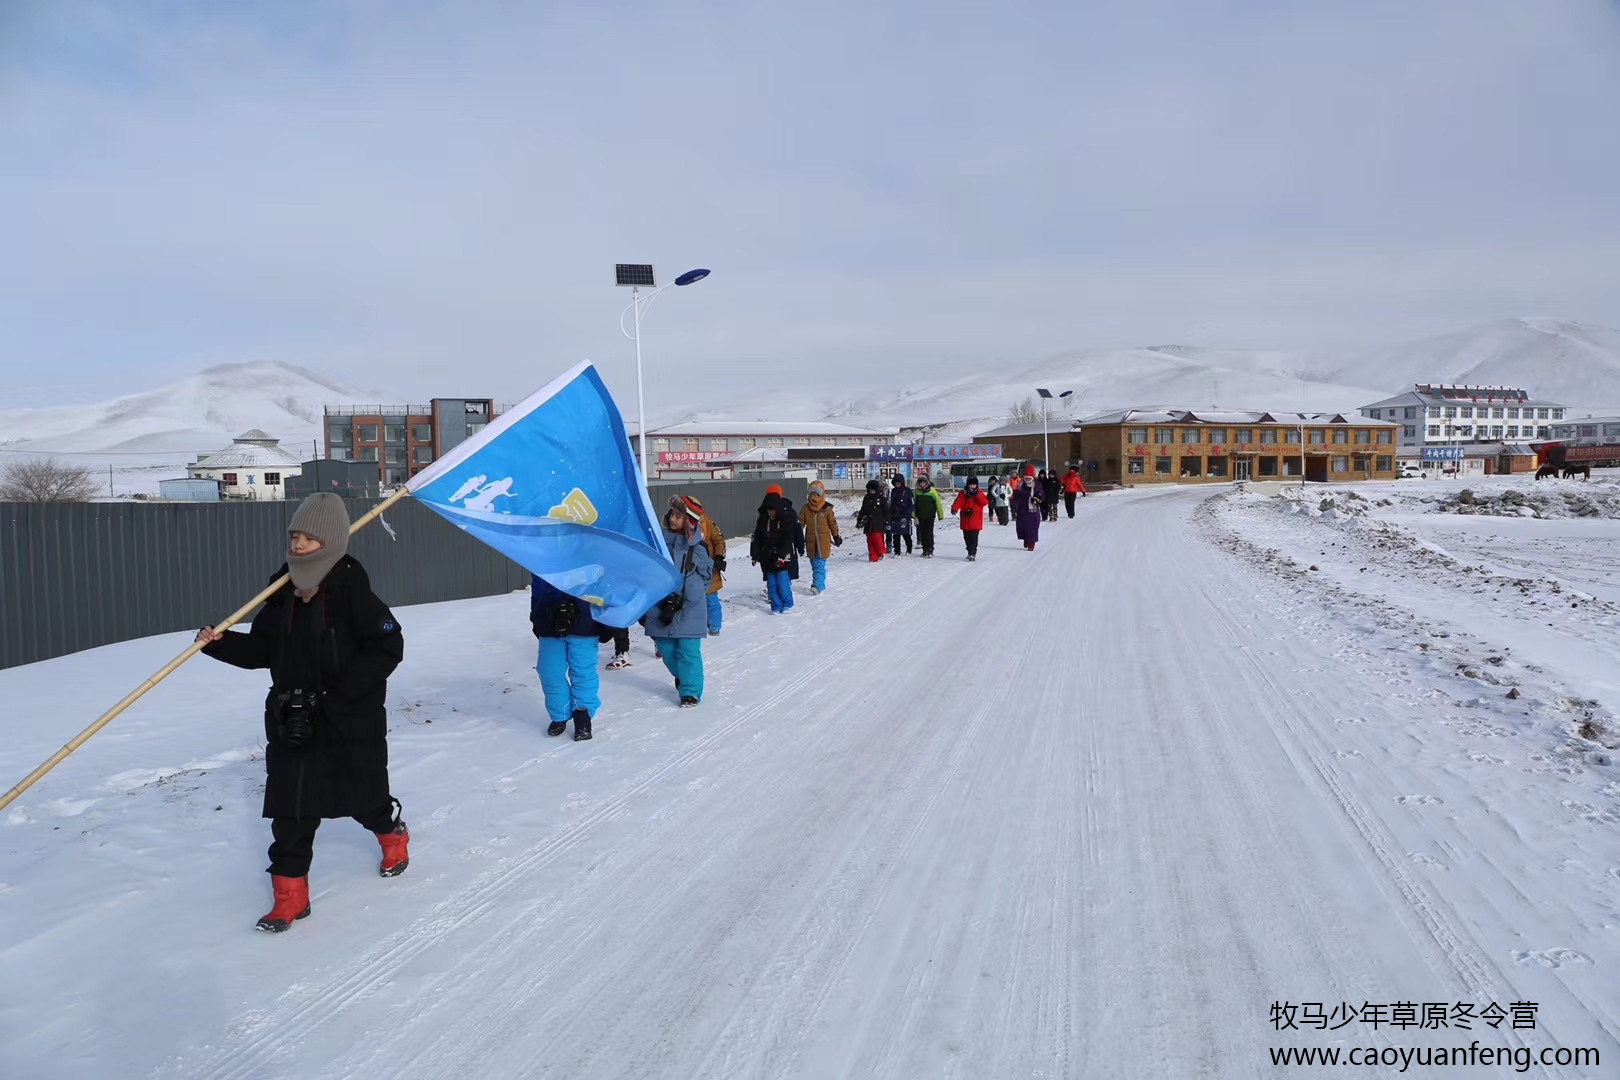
{"points": [[1001, 499]]}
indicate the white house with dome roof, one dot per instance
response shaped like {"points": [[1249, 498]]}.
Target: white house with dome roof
{"points": [[254, 466]]}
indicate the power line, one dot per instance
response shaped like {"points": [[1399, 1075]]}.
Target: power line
{"points": [[109, 453]]}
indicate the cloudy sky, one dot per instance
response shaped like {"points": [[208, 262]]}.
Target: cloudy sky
{"points": [[428, 197]]}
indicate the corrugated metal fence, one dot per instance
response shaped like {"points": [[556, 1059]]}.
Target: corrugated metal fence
{"points": [[77, 576]]}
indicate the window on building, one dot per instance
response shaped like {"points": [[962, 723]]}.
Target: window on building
{"points": [[1541, 414], [745, 444], [1244, 436], [341, 453], [1451, 412], [1290, 465], [1191, 467], [1409, 431], [396, 455], [1164, 436], [366, 433], [853, 440], [1543, 432], [1266, 466], [1611, 429], [1363, 437], [1340, 436], [829, 442], [394, 433], [1513, 431], [393, 477], [1291, 436], [1586, 431], [801, 442], [1317, 437], [775, 444], [272, 479], [1434, 431], [229, 479], [340, 433], [660, 446], [691, 446], [1434, 411], [1466, 431], [1136, 436], [1496, 431], [367, 453], [1268, 436], [1217, 466], [1466, 412], [1135, 466], [1386, 464], [1339, 464], [1217, 436], [422, 455], [1410, 413], [1496, 413], [1385, 437], [1558, 414], [422, 433], [1161, 466], [1362, 463], [1190, 435], [1513, 414]]}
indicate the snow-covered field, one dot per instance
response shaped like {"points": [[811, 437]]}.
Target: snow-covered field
{"points": [[1086, 812]]}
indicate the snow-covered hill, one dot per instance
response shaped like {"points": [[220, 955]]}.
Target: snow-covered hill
{"points": [[197, 414], [1573, 363]]}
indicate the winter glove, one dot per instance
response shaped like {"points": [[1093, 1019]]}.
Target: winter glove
{"points": [[720, 563], [838, 541], [535, 627]]}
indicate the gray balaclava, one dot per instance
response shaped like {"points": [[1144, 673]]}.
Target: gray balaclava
{"points": [[324, 517]]}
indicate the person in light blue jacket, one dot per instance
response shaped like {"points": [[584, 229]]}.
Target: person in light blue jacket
{"points": [[680, 622]]}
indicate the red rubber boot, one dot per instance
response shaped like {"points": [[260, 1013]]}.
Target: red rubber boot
{"points": [[292, 902], [395, 849]]}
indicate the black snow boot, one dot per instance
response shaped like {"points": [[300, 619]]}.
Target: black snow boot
{"points": [[557, 727], [582, 725]]}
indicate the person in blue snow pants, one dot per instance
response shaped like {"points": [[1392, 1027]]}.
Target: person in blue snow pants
{"points": [[773, 548], [820, 523], [568, 634], [680, 622]]}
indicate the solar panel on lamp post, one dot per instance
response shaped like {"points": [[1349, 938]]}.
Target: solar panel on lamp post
{"points": [[1046, 437], [635, 277]]}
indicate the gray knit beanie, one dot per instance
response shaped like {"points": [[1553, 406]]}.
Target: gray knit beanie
{"points": [[324, 517]]}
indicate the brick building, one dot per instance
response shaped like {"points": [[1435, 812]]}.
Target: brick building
{"points": [[1149, 446], [404, 439]]}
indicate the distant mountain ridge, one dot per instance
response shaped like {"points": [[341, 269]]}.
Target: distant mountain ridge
{"points": [[196, 414]]}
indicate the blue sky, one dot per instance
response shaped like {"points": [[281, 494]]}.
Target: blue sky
{"points": [[427, 198]]}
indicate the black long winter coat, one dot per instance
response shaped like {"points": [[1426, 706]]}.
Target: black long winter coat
{"points": [[873, 516], [789, 548], [347, 642]]}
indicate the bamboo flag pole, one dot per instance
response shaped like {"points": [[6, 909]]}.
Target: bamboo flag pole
{"points": [[168, 669]]}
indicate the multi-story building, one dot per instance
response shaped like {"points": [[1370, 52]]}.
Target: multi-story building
{"points": [[254, 466], [1431, 415], [681, 446], [1147, 446], [404, 439]]}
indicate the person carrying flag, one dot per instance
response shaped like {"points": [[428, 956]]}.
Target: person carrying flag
{"points": [[330, 645], [679, 623]]}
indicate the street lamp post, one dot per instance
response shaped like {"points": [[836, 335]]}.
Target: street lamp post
{"points": [[638, 276], [1046, 436]]}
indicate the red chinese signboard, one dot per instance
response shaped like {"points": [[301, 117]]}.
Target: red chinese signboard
{"points": [[690, 457]]}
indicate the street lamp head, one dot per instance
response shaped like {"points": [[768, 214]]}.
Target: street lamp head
{"points": [[691, 276], [1065, 393], [1043, 393]]}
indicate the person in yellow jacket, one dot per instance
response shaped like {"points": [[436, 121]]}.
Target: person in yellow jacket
{"points": [[821, 534], [715, 540]]}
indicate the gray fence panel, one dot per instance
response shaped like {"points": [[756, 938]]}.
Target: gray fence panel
{"points": [[81, 575]]}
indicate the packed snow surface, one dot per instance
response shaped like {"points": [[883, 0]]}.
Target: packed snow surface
{"points": [[1089, 811]]}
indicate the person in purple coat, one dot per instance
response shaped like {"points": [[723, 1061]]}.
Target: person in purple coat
{"points": [[1026, 505]]}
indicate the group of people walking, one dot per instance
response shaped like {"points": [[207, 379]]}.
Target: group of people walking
{"points": [[330, 644]]}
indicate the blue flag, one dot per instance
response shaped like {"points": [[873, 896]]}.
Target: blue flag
{"points": [[553, 486]]}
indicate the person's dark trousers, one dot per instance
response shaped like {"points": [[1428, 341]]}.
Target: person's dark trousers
{"points": [[293, 845], [925, 535], [621, 642], [1068, 501], [971, 538], [1001, 515]]}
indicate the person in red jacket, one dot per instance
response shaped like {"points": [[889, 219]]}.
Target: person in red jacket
{"points": [[1072, 486], [970, 505]]}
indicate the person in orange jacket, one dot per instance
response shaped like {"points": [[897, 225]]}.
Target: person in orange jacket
{"points": [[1072, 486]]}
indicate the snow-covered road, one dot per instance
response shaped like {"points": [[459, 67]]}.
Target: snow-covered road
{"points": [[1086, 812]]}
